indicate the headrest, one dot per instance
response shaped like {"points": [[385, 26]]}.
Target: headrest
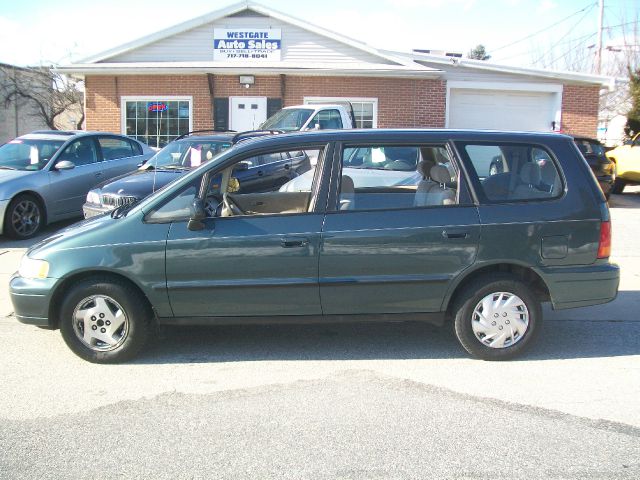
{"points": [[347, 185], [530, 174], [425, 166], [440, 174]]}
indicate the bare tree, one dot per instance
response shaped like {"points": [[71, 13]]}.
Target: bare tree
{"points": [[52, 94]]}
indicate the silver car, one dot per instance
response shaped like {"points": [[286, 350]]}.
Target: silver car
{"points": [[45, 175]]}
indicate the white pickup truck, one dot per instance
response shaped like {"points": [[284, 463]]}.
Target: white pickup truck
{"points": [[311, 117]]}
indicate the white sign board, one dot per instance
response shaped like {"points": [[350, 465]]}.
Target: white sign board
{"points": [[246, 44]]}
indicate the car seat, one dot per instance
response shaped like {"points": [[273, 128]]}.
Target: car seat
{"points": [[441, 193], [424, 186], [347, 193]]}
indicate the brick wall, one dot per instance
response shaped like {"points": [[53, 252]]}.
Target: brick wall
{"points": [[580, 110], [103, 94], [401, 102]]}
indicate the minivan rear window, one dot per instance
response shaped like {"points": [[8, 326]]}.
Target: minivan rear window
{"points": [[512, 172]]}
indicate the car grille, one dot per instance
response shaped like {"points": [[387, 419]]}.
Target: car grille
{"points": [[117, 200]]}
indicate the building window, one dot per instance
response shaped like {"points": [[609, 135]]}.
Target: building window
{"points": [[156, 120], [364, 109]]}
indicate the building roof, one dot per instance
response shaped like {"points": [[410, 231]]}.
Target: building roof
{"points": [[390, 63], [232, 10]]}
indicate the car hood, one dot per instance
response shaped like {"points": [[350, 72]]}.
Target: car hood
{"points": [[66, 233], [141, 183]]}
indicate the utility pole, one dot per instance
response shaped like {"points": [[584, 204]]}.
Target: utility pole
{"points": [[598, 62]]}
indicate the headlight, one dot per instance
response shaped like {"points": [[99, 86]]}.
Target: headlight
{"points": [[93, 197], [33, 268]]}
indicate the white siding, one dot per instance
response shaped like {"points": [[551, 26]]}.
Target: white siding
{"points": [[462, 74], [298, 45]]}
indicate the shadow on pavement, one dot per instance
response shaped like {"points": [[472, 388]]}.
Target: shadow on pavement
{"points": [[628, 199], [560, 339], [6, 242]]}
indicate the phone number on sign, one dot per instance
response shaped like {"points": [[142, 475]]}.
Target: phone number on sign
{"points": [[246, 55]]}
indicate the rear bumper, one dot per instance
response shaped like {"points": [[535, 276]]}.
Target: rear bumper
{"points": [[606, 183], [31, 299], [581, 286], [90, 210]]}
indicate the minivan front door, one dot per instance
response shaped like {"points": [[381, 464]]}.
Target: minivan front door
{"points": [[245, 266]]}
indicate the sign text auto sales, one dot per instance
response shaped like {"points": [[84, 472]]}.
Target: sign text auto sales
{"points": [[246, 44]]}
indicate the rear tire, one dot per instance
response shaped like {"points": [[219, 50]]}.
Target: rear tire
{"points": [[24, 218], [618, 186], [497, 317], [105, 320]]}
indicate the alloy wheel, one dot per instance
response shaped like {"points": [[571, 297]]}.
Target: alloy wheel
{"points": [[26, 217], [100, 323]]}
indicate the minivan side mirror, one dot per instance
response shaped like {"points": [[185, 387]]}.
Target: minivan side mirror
{"points": [[198, 213], [65, 165]]}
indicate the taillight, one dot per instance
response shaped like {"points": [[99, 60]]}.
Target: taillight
{"points": [[604, 246]]}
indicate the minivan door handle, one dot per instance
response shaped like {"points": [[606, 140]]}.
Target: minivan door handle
{"points": [[455, 233], [291, 242]]}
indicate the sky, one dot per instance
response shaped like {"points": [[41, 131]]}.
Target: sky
{"points": [[46, 31]]}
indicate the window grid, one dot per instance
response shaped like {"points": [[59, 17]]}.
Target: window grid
{"points": [[156, 122]]}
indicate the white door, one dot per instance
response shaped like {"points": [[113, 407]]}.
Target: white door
{"points": [[247, 113], [502, 110]]}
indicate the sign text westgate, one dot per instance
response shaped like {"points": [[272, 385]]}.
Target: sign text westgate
{"points": [[246, 44]]}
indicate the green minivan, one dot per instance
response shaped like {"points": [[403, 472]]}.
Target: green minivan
{"points": [[386, 225]]}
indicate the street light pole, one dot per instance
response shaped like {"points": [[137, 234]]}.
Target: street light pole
{"points": [[598, 62]]}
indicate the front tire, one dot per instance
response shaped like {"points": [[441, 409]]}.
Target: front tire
{"points": [[497, 317], [104, 320], [24, 217]]}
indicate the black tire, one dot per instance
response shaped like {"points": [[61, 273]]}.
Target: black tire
{"points": [[131, 338], [618, 186], [32, 214], [470, 297]]}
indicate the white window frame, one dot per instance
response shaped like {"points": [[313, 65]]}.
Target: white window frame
{"points": [[308, 100], [556, 89], [151, 98]]}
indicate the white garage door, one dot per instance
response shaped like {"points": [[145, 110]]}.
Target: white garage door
{"points": [[501, 110]]}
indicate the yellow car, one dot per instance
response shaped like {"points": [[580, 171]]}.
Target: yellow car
{"points": [[627, 160]]}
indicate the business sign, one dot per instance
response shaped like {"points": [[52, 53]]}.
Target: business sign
{"points": [[246, 44], [157, 107]]}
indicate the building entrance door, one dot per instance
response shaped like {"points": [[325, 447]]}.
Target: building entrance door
{"points": [[247, 113]]}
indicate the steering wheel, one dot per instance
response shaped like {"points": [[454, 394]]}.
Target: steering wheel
{"points": [[230, 206]]}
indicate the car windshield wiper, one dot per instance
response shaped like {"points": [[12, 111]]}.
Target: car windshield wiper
{"points": [[173, 167], [3, 167]]}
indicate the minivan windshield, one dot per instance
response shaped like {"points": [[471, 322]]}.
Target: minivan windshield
{"points": [[28, 154], [186, 154], [289, 119]]}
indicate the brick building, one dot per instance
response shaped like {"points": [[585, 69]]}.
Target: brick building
{"points": [[234, 67]]}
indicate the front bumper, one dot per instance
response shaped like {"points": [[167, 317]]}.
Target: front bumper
{"points": [[31, 299], [92, 210], [3, 209], [581, 286]]}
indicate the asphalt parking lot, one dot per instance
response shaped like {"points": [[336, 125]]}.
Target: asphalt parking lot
{"points": [[333, 401]]}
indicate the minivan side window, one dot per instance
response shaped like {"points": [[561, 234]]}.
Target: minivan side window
{"points": [[382, 177], [513, 172]]}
